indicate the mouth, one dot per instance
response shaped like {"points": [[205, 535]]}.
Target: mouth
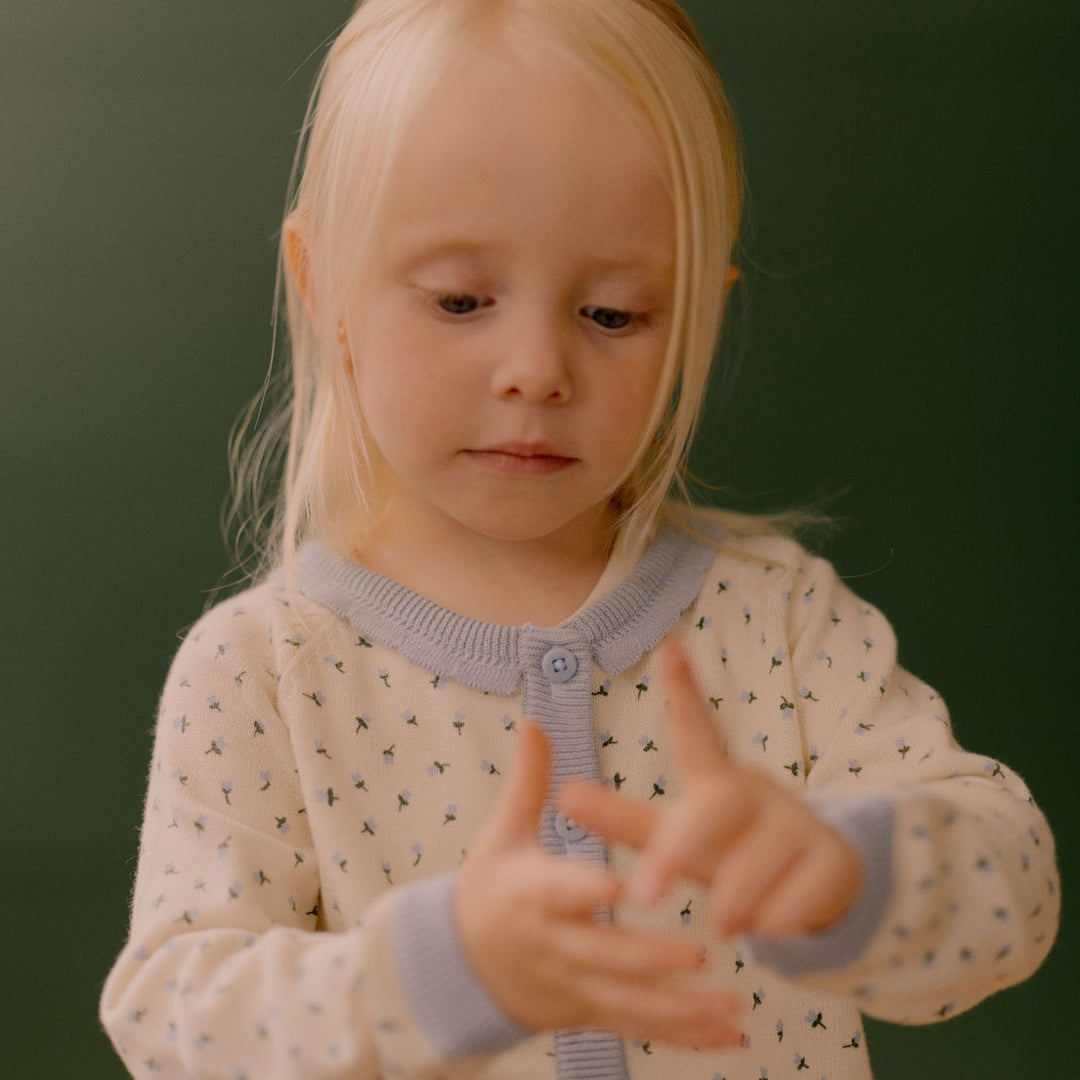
{"points": [[521, 458]]}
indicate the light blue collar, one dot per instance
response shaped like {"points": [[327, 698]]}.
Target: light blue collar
{"points": [[619, 628]]}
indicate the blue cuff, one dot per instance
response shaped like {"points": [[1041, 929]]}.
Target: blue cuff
{"points": [[450, 1004], [867, 824]]}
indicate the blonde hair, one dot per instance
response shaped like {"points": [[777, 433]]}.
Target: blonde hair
{"points": [[304, 470]]}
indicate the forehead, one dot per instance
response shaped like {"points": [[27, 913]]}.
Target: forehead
{"points": [[512, 147]]}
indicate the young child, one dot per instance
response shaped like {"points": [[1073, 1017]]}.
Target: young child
{"points": [[517, 766]]}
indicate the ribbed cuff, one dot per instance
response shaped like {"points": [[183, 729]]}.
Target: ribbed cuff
{"points": [[867, 824], [450, 1004]]}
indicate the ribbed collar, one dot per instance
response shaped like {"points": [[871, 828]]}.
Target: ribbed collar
{"points": [[619, 628]]}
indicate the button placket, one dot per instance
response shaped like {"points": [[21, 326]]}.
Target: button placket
{"points": [[557, 691]]}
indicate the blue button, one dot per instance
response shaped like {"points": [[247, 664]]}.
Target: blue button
{"points": [[570, 832], [559, 664]]}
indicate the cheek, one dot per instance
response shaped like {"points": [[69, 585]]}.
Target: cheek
{"points": [[628, 405], [392, 407], [406, 394]]}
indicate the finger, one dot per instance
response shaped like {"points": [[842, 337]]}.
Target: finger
{"points": [[817, 892], [694, 1018], [571, 889], [613, 816], [516, 815], [698, 746], [747, 874], [689, 841], [672, 843], [625, 953]]}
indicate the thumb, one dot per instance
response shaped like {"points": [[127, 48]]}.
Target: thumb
{"points": [[517, 810]]}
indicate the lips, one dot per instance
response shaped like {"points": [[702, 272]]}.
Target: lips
{"points": [[521, 458]]}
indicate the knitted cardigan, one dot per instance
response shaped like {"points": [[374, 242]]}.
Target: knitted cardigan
{"points": [[326, 749]]}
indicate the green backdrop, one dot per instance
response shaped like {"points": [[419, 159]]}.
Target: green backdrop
{"points": [[907, 334]]}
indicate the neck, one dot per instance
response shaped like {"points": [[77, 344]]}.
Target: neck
{"points": [[543, 580]]}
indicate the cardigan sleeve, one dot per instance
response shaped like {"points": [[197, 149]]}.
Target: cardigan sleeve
{"points": [[227, 971], [959, 858]]}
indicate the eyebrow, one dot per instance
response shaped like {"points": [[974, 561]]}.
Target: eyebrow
{"points": [[412, 254]]}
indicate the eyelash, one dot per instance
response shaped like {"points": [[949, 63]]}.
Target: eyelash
{"points": [[597, 314], [453, 303], [458, 305]]}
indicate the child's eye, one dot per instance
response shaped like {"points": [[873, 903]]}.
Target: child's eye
{"points": [[459, 303], [608, 318]]}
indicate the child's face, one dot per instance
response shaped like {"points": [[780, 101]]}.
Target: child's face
{"points": [[508, 333]]}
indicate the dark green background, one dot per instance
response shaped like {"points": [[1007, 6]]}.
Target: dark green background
{"points": [[908, 340]]}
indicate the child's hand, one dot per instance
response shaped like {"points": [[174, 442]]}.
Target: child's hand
{"points": [[526, 921], [774, 868]]}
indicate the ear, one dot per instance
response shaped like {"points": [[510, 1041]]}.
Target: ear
{"points": [[297, 266], [295, 249]]}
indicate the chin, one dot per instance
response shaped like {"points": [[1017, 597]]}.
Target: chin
{"points": [[514, 531], [523, 524]]}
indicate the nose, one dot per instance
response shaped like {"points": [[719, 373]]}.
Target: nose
{"points": [[534, 363]]}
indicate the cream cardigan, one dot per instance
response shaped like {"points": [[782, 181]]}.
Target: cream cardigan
{"points": [[325, 753]]}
